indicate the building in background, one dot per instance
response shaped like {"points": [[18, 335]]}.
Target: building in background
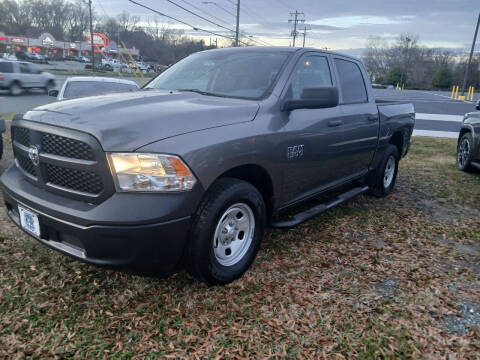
{"points": [[46, 44]]}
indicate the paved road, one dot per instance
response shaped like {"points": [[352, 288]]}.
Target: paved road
{"points": [[436, 113]]}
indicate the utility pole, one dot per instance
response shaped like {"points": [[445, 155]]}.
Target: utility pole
{"points": [[91, 34], [216, 43], [305, 29], [295, 21], [237, 30], [405, 60], [467, 70]]}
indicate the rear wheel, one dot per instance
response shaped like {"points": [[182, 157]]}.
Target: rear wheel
{"points": [[15, 89], [382, 180], [464, 152], [226, 232]]}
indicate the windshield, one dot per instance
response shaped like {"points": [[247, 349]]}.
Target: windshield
{"points": [[245, 75]]}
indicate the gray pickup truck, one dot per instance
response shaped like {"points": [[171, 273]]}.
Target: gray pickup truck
{"points": [[192, 168]]}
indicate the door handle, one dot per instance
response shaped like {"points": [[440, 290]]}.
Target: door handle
{"points": [[333, 123]]}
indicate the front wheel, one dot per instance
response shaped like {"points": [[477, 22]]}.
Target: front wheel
{"points": [[382, 179], [226, 232], [464, 152]]}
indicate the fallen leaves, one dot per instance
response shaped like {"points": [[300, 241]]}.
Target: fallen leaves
{"points": [[374, 278]]}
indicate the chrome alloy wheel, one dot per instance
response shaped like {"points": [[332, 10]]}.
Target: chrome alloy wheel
{"points": [[233, 234], [389, 172], [463, 152]]}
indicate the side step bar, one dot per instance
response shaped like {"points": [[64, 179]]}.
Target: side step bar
{"points": [[476, 165], [318, 209]]}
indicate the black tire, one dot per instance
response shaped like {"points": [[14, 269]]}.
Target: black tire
{"points": [[379, 187], [15, 88], [464, 152], [50, 85], [199, 257], [1, 146]]}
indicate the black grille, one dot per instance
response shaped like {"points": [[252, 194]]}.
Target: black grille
{"points": [[26, 164], [62, 146], [78, 180], [22, 136], [59, 169]]}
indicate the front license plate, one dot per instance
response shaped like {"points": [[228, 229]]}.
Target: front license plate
{"points": [[29, 221]]}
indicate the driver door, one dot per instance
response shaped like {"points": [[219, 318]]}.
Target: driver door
{"points": [[313, 136]]}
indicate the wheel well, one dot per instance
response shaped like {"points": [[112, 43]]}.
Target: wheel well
{"points": [[397, 140], [258, 177], [463, 132]]}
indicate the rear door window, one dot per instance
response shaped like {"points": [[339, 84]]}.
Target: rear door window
{"points": [[352, 85], [6, 67], [24, 68]]}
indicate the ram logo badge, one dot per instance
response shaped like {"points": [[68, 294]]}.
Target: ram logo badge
{"points": [[294, 152]]}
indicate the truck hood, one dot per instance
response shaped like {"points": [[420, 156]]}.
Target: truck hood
{"points": [[128, 121]]}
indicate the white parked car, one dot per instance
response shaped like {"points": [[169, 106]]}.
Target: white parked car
{"points": [[111, 64], [81, 86]]}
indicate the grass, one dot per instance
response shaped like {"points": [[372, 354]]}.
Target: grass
{"points": [[311, 293]]}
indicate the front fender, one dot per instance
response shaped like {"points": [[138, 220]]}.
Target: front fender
{"points": [[212, 152]]}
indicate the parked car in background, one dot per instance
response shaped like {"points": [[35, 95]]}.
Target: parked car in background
{"points": [[468, 145], [25, 55], [17, 76], [193, 167], [82, 59], [10, 57], [3, 128], [111, 64], [81, 86]]}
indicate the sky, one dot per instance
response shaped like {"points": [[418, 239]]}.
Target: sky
{"points": [[336, 25]]}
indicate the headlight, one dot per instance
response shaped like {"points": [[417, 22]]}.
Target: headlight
{"points": [[150, 172]]}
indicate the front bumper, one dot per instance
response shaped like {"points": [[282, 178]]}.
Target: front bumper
{"points": [[138, 232]]}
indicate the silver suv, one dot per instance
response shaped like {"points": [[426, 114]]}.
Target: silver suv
{"points": [[15, 76]]}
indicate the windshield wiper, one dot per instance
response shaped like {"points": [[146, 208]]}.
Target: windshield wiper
{"points": [[201, 92]]}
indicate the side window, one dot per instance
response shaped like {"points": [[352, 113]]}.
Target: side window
{"points": [[351, 82], [311, 71], [24, 68], [34, 69]]}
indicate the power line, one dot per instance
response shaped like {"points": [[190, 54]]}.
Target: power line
{"points": [[180, 21], [203, 11], [199, 16], [220, 7], [183, 22]]}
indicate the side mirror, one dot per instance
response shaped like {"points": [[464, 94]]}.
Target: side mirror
{"points": [[53, 93], [313, 98], [478, 105]]}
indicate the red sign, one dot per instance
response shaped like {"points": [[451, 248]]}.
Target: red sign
{"points": [[3, 38]]}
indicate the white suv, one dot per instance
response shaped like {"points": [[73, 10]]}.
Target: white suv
{"points": [[15, 76]]}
